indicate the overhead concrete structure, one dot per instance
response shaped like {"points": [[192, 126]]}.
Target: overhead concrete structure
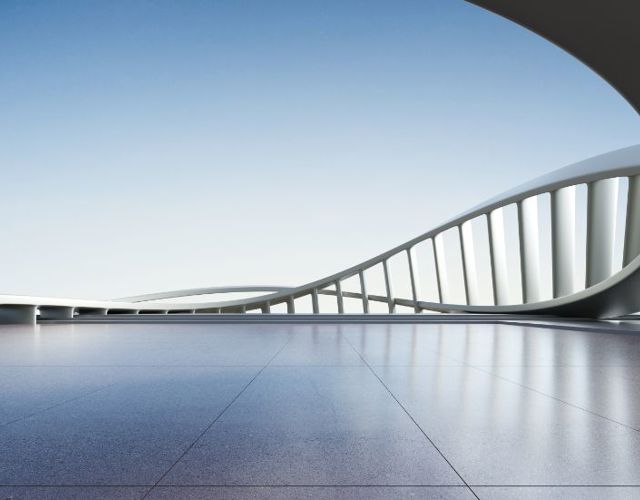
{"points": [[604, 36]]}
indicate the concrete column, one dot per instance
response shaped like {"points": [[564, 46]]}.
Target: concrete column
{"points": [[55, 312], [17, 315]]}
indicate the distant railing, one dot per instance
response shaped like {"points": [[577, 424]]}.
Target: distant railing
{"points": [[608, 290]]}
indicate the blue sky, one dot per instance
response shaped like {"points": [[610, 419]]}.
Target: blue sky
{"points": [[150, 145]]}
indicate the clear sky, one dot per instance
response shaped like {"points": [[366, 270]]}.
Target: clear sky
{"points": [[150, 145]]}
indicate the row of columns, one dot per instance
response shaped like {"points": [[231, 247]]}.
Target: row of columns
{"points": [[602, 205]]}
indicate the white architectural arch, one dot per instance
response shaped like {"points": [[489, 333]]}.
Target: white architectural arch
{"points": [[607, 291]]}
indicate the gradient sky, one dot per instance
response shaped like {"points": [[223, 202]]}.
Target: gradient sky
{"points": [[150, 145]]}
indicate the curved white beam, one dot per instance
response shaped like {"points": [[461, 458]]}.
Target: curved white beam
{"points": [[606, 295], [192, 292]]}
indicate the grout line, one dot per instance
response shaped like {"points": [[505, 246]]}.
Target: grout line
{"points": [[556, 485], [319, 486], [215, 420], [572, 405], [131, 366], [232, 486], [66, 401], [590, 327], [314, 486], [411, 417], [454, 364]]}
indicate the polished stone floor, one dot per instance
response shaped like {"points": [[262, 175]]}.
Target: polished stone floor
{"points": [[323, 411]]}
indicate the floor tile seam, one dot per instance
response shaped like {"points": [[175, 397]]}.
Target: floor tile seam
{"points": [[310, 486], [437, 485], [132, 366], [456, 365], [556, 486], [600, 368], [359, 365], [567, 327], [415, 422], [200, 485], [73, 485], [434, 365], [57, 405], [560, 400], [449, 358], [475, 365], [217, 417]]}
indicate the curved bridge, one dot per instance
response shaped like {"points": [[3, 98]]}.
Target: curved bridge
{"points": [[511, 265]]}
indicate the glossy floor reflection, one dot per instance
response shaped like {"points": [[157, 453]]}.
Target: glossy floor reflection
{"points": [[318, 411]]}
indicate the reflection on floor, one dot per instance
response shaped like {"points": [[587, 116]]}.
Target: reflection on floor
{"points": [[318, 411]]}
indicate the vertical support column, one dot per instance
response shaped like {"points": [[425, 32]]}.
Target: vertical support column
{"points": [[528, 232], [441, 268], [266, 308], [632, 224], [389, 287], [291, 306], [469, 261], [465, 280], [498, 251], [18, 315], [339, 298], [563, 240], [601, 229], [56, 312], [413, 277], [491, 260], [82, 311], [437, 266], [314, 301], [363, 292]]}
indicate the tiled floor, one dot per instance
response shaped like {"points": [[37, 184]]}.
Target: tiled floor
{"points": [[323, 411]]}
